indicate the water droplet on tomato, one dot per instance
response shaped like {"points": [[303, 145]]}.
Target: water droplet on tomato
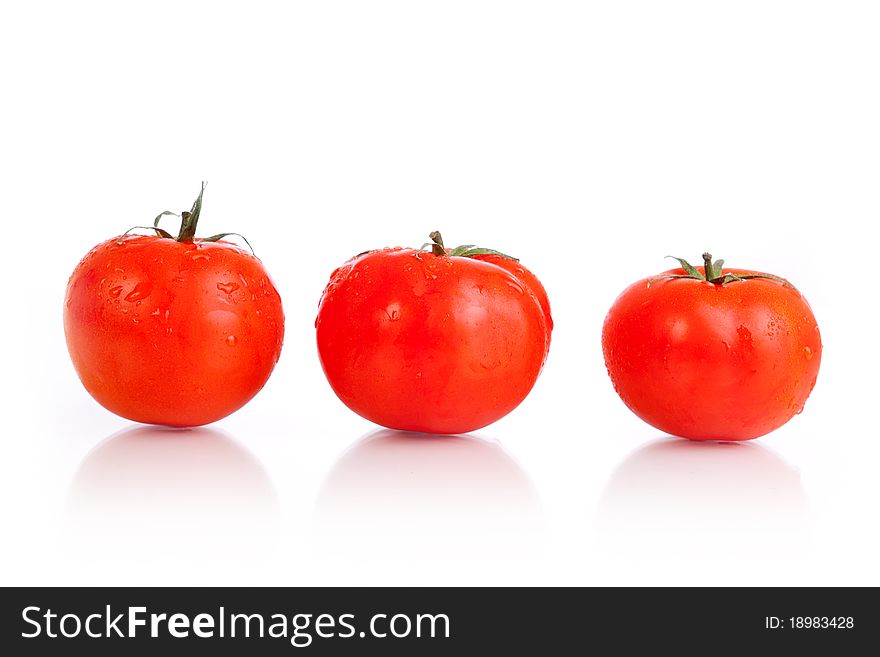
{"points": [[231, 341], [808, 353], [228, 288], [420, 287], [115, 291], [140, 291]]}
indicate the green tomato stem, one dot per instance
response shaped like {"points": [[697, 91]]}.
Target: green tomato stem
{"points": [[190, 219], [437, 247]]}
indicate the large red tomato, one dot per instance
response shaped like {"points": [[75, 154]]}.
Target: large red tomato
{"points": [[179, 332], [712, 355], [440, 341]]}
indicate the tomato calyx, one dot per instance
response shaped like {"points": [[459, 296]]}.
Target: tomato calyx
{"points": [[713, 272], [189, 220], [463, 251]]}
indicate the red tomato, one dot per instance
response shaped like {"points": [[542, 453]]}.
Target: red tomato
{"points": [[180, 332], [729, 358], [440, 341]]}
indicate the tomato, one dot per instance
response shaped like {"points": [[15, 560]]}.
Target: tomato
{"points": [[709, 355], [178, 332], [439, 341]]}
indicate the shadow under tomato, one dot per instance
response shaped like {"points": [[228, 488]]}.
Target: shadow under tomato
{"points": [[675, 496], [171, 490], [394, 492]]}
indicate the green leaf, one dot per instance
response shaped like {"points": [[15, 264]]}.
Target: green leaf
{"points": [[457, 251], [475, 251], [162, 214], [667, 277], [197, 204], [771, 277], [692, 272], [220, 236], [159, 232]]}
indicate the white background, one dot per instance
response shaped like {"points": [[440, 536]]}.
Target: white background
{"points": [[590, 139]]}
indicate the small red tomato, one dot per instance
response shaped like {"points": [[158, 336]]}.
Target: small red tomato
{"points": [[176, 331], [439, 341], [712, 355]]}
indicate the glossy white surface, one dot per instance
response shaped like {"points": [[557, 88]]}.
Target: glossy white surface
{"points": [[588, 139]]}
